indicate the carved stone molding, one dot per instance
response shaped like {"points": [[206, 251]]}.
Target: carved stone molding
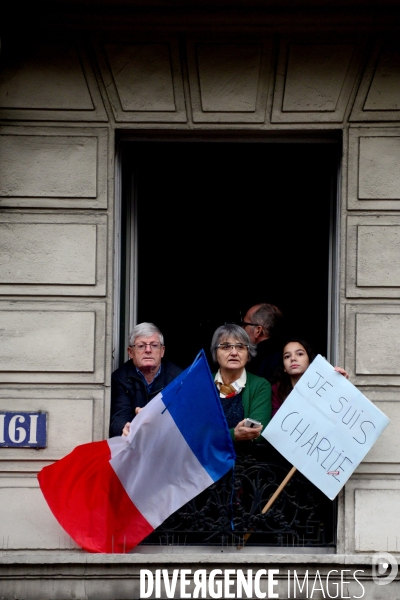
{"points": [[373, 257], [373, 168], [378, 97], [49, 81], [143, 79], [53, 254], [229, 78], [52, 342], [53, 167], [373, 344], [315, 80]]}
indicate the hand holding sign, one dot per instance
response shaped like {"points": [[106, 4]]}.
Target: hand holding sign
{"points": [[325, 427]]}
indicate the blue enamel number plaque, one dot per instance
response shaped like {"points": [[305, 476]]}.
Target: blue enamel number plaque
{"points": [[23, 430]]}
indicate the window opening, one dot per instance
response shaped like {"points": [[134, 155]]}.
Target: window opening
{"points": [[209, 229]]}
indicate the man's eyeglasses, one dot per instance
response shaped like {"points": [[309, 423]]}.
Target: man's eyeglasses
{"points": [[252, 324], [142, 347], [230, 347]]}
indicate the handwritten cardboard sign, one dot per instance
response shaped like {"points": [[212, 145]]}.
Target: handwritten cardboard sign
{"points": [[325, 427]]}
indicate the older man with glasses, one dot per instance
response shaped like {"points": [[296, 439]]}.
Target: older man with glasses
{"points": [[262, 323], [141, 378]]}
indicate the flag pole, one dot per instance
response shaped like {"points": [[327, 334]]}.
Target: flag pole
{"points": [[272, 500]]}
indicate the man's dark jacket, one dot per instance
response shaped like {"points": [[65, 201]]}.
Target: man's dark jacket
{"points": [[129, 391], [268, 358]]}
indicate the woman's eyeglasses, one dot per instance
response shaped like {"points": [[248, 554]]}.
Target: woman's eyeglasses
{"points": [[230, 347]]}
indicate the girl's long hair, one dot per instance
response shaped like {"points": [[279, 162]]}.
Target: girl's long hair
{"points": [[284, 384]]}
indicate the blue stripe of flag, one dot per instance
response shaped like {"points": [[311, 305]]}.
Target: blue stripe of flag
{"points": [[193, 402]]}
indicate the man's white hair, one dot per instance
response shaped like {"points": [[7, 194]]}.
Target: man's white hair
{"points": [[144, 330]]}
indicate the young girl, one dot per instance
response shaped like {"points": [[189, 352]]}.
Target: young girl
{"points": [[297, 356]]}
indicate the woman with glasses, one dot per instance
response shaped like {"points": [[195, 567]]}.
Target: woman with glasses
{"points": [[243, 395]]}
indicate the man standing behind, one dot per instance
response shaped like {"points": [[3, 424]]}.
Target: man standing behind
{"points": [[141, 378], [262, 323]]}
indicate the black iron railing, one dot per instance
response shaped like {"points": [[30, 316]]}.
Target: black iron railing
{"points": [[230, 508]]}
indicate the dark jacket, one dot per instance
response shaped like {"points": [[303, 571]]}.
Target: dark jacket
{"points": [[128, 391], [268, 358]]}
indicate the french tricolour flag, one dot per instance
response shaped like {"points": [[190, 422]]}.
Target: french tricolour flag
{"points": [[110, 495]]}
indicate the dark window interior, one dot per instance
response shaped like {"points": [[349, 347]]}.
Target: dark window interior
{"points": [[224, 225]]}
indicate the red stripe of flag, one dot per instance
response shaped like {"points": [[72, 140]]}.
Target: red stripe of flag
{"points": [[89, 501]]}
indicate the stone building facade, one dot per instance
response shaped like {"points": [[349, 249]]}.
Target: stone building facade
{"points": [[76, 82]]}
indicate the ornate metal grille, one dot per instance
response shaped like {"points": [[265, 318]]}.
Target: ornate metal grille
{"points": [[230, 508]]}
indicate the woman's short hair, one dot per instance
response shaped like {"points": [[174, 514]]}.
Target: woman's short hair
{"points": [[144, 330], [230, 330]]}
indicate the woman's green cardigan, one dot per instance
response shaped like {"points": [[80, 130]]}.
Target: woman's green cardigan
{"points": [[256, 400]]}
